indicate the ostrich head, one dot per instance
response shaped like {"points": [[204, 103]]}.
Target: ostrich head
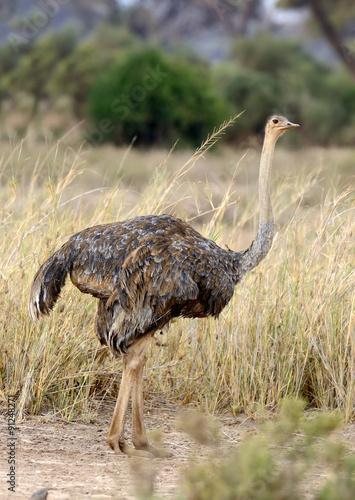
{"points": [[276, 126]]}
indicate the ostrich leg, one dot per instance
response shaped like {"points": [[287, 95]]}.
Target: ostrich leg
{"points": [[133, 363], [139, 437]]}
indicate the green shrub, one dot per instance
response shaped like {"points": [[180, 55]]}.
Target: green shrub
{"points": [[271, 76], [327, 113], [270, 54], [155, 98], [278, 464], [256, 93]]}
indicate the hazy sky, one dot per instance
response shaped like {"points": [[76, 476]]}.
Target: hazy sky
{"points": [[284, 15], [279, 15]]}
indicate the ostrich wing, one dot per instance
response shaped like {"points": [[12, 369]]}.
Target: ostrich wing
{"points": [[155, 285]]}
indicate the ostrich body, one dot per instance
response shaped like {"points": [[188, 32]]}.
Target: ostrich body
{"points": [[146, 271]]}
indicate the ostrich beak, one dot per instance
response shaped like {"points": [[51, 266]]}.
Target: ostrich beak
{"points": [[289, 125]]}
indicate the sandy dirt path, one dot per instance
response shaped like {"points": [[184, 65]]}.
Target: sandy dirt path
{"points": [[73, 461]]}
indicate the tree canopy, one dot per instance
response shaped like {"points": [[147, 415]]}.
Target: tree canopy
{"points": [[336, 21]]}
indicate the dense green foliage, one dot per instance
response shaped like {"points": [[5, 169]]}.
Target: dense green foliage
{"points": [[156, 99], [281, 78], [123, 90]]}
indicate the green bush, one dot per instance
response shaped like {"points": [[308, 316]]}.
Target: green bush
{"points": [[278, 464], [256, 93], [155, 98], [31, 71], [271, 76], [270, 54], [329, 113]]}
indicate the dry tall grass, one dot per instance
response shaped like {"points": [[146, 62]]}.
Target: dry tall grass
{"points": [[289, 329]]}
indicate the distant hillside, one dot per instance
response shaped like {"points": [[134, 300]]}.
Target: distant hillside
{"points": [[29, 19]]}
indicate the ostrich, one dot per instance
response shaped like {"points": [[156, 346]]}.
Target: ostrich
{"points": [[146, 271]]}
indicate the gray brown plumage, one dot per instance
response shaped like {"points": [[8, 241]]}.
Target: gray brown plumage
{"points": [[146, 271]]}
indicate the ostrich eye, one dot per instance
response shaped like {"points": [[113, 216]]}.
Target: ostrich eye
{"points": [[275, 121]]}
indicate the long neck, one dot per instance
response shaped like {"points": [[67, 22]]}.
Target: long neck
{"points": [[261, 245], [265, 208]]}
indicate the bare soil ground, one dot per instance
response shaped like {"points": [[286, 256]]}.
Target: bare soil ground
{"points": [[73, 460]]}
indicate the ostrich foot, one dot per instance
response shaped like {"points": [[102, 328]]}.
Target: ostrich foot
{"points": [[119, 446]]}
